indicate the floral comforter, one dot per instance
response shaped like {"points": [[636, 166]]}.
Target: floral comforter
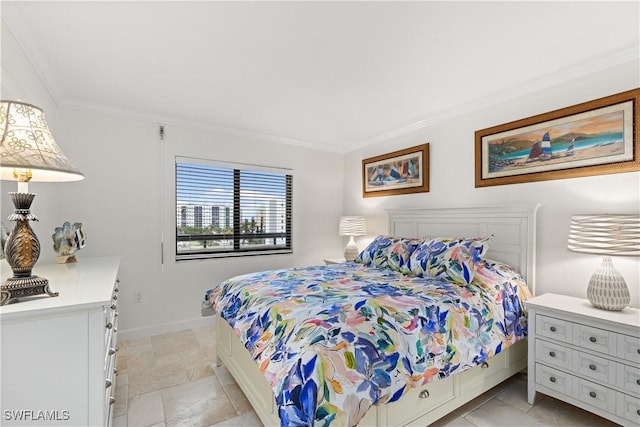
{"points": [[334, 340]]}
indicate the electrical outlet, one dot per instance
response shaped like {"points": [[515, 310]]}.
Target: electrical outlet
{"points": [[137, 297]]}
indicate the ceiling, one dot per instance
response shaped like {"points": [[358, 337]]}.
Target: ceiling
{"points": [[332, 75]]}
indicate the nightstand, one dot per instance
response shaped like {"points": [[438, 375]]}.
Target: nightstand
{"points": [[585, 356], [328, 261]]}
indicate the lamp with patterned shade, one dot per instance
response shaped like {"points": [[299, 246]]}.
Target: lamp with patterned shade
{"points": [[352, 226], [28, 152], [606, 235]]}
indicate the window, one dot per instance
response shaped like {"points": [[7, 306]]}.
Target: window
{"points": [[225, 209]]}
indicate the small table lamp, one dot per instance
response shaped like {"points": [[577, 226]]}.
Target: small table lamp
{"points": [[28, 152], [606, 235], [352, 226]]}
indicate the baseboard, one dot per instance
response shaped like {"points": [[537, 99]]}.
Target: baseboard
{"points": [[198, 322]]}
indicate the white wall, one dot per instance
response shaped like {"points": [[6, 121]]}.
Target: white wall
{"points": [[124, 196], [452, 182]]}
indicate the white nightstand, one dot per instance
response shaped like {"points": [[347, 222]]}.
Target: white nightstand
{"points": [[585, 356], [328, 261]]}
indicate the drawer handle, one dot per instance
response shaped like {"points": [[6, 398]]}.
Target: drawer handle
{"points": [[552, 329], [424, 394], [592, 394], [552, 379], [638, 381], [108, 383], [109, 325], [112, 400], [592, 339], [592, 367], [552, 353], [115, 297], [113, 306], [115, 370], [638, 351], [112, 351], [484, 365], [638, 412]]}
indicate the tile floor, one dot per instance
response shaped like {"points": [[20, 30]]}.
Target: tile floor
{"points": [[171, 380]]}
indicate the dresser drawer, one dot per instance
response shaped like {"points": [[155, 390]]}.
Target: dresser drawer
{"points": [[596, 395], [592, 367], [553, 328], [628, 378], [428, 396], [552, 354], [629, 408], [628, 348], [553, 379], [594, 339]]}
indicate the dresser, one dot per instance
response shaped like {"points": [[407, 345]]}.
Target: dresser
{"points": [[585, 356], [58, 353]]}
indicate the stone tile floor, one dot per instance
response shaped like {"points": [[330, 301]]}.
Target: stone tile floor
{"points": [[171, 380]]}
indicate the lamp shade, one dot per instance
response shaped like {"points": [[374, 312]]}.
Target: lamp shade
{"points": [[352, 226], [605, 234], [27, 144]]}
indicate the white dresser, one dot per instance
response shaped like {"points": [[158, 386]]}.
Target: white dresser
{"points": [[58, 353], [585, 356]]}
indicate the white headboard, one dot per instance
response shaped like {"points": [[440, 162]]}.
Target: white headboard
{"points": [[513, 228]]}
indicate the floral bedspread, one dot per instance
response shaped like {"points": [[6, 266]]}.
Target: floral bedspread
{"points": [[334, 340]]}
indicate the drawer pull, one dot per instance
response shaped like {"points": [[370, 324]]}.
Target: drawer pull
{"points": [[112, 351], [109, 325], [424, 394], [113, 306], [592, 367], [484, 365], [115, 297], [112, 400], [552, 353], [552, 329], [108, 383], [115, 370], [552, 379], [638, 412], [592, 394], [638, 351], [592, 339]]}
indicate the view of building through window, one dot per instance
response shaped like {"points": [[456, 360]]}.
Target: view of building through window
{"points": [[229, 211]]}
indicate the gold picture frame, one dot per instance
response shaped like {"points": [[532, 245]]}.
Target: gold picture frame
{"points": [[593, 138], [400, 172]]}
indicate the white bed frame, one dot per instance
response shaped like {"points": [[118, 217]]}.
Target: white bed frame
{"points": [[514, 231]]}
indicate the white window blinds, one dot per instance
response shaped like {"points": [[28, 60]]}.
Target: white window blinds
{"points": [[229, 209]]}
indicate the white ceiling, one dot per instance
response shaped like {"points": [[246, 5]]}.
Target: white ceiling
{"points": [[334, 75]]}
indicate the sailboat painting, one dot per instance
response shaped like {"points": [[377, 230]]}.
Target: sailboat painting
{"points": [[561, 145]]}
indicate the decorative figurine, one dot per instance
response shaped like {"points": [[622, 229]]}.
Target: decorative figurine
{"points": [[4, 235], [67, 240]]}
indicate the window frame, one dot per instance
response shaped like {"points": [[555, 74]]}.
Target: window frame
{"points": [[238, 249]]}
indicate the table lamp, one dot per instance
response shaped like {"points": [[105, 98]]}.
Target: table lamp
{"points": [[28, 152], [606, 235], [352, 226]]}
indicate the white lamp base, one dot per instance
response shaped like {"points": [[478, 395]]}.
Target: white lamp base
{"points": [[607, 288], [351, 251]]}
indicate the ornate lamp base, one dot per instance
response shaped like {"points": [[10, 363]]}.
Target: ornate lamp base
{"points": [[17, 287], [22, 249]]}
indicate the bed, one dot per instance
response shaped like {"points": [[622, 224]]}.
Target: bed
{"points": [[387, 341]]}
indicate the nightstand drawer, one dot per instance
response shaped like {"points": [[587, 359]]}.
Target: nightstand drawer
{"points": [[553, 379], [594, 339], [629, 409], [594, 367], [553, 328], [629, 379], [595, 395], [552, 354], [628, 348]]}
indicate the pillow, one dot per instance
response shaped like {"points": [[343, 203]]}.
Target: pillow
{"points": [[453, 259], [388, 252]]}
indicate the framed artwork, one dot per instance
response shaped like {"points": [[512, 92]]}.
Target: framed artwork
{"points": [[401, 172], [593, 138]]}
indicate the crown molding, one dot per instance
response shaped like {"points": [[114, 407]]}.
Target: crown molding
{"points": [[626, 55]]}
